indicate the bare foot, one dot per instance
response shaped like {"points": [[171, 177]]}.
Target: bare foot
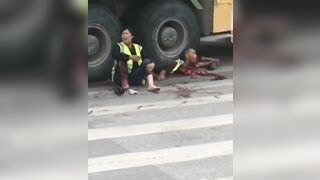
{"points": [[161, 77]]}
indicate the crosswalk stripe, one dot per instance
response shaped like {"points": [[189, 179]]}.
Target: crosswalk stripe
{"points": [[161, 127], [105, 110], [157, 157], [225, 178]]}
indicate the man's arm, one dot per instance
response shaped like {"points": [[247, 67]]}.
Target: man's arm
{"points": [[209, 63], [209, 59]]}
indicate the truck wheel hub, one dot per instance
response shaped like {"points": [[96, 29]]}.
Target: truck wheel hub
{"points": [[99, 45], [93, 45], [169, 37]]}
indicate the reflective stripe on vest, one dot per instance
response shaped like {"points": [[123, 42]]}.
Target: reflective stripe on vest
{"points": [[113, 71], [179, 63], [125, 50]]}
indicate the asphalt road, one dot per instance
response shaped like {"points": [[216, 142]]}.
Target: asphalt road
{"points": [[185, 132]]}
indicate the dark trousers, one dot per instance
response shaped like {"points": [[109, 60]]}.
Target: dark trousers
{"points": [[135, 78]]}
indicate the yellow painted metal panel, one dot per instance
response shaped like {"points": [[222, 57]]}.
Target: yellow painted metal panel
{"points": [[224, 1], [222, 16]]}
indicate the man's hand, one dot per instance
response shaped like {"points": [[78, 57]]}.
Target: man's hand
{"points": [[162, 75], [135, 58]]}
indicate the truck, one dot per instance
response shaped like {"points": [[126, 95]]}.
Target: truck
{"points": [[163, 27]]}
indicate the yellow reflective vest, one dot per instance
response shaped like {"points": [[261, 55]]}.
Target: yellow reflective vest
{"points": [[125, 50], [179, 62]]}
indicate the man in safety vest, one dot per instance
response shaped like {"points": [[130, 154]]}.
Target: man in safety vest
{"points": [[132, 66]]}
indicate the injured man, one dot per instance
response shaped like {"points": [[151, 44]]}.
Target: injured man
{"points": [[191, 66]]}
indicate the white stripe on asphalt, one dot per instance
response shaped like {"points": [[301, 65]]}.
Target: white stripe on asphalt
{"points": [[157, 157], [161, 127], [98, 111], [225, 178]]}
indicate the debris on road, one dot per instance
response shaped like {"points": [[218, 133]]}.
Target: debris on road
{"points": [[184, 92], [139, 107]]}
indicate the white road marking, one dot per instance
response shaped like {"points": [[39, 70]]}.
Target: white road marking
{"points": [[225, 178], [157, 157], [105, 110], [161, 127]]}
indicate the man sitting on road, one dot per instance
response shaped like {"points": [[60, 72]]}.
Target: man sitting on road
{"points": [[191, 66], [132, 65]]}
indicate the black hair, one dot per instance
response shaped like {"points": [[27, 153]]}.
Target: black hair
{"points": [[185, 51], [129, 29]]}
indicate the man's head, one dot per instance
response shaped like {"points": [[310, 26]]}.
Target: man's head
{"points": [[190, 55], [127, 36]]}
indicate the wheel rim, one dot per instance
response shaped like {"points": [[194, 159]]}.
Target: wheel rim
{"points": [[99, 45], [171, 37], [93, 45]]}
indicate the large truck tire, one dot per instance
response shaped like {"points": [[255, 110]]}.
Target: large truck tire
{"points": [[103, 34], [166, 28]]}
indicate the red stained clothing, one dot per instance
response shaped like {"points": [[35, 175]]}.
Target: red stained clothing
{"points": [[190, 69]]}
